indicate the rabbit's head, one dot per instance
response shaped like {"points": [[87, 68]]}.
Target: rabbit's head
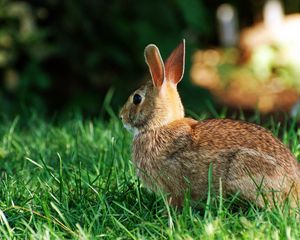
{"points": [[157, 102]]}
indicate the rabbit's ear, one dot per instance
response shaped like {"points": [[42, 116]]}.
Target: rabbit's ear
{"points": [[155, 64], [175, 64]]}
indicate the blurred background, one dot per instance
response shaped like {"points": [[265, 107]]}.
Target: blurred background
{"points": [[61, 55]]}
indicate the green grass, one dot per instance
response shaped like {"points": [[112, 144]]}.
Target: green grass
{"points": [[74, 179]]}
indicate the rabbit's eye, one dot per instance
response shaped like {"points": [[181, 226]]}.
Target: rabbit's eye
{"points": [[137, 99]]}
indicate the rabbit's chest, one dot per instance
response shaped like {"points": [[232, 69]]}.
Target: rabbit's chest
{"points": [[157, 169]]}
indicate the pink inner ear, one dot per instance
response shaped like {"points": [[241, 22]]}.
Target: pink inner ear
{"points": [[175, 64], [155, 63]]}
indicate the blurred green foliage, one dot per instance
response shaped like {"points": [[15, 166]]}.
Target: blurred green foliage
{"points": [[23, 49], [57, 55]]}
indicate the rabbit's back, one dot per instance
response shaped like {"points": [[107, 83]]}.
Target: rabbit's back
{"points": [[228, 134]]}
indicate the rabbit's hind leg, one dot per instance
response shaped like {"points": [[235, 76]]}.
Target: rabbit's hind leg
{"points": [[258, 179]]}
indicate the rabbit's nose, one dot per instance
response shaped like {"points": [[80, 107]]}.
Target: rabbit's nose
{"points": [[121, 116]]}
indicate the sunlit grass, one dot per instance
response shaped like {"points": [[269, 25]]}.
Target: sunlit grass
{"points": [[74, 179]]}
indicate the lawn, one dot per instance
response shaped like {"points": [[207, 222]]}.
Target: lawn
{"points": [[73, 178]]}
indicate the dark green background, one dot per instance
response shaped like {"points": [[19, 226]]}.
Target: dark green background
{"points": [[78, 50]]}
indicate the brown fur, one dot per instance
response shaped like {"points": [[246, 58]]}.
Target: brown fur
{"points": [[173, 153]]}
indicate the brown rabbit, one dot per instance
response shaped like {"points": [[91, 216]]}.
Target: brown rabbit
{"points": [[173, 153]]}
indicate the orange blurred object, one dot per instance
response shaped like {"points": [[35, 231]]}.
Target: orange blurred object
{"points": [[240, 89]]}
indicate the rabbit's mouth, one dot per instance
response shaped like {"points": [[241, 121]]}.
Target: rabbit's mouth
{"points": [[128, 127]]}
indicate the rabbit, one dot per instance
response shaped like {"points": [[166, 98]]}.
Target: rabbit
{"points": [[173, 154]]}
